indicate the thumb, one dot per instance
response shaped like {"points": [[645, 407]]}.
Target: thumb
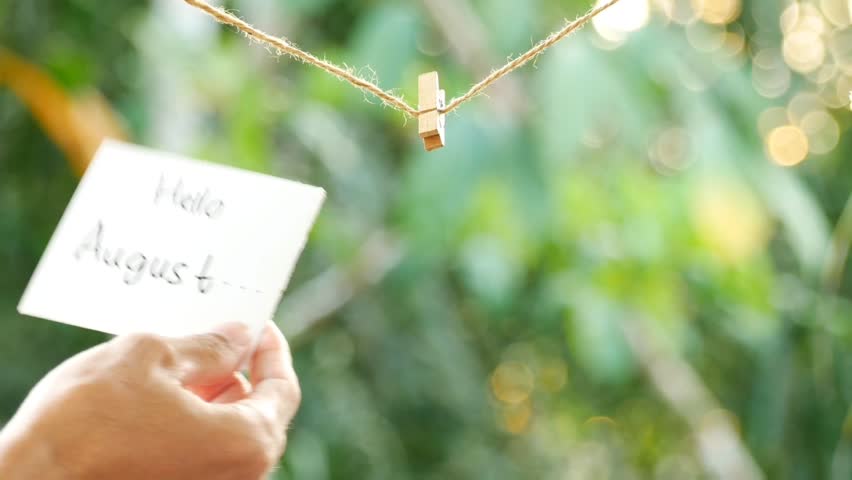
{"points": [[209, 357]]}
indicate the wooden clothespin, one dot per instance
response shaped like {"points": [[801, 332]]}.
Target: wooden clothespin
{"points": [[431, 121]]}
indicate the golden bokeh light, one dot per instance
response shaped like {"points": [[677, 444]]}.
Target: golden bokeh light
{"points": [[804, 50], [516, 419], [835, 94], [512, 382], [732, 54], [621, 19], [840, 47], [802, 17], [802, 104], [704, 37], [677, 11], [836, 11], [770, 75], [669, 150], [729, 220], [770, 119], [734, 43], [790, 17], [808, 38], [842, 88], [717, 12], [824, 74], [601, 423], [822, 131], [787, 146], [553, 375]]}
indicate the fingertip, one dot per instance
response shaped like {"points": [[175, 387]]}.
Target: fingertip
{"points": [[275, 385], [272, 339], [272, 359]]}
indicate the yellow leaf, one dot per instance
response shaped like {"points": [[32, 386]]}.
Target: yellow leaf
{"points": [[76, 126]]}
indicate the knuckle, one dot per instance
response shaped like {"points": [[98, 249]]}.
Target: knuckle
{"points": [[148, 346], [142, 341], [213, 346]]}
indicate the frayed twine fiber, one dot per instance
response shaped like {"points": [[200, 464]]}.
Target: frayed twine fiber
{"points": [[283, 46]]}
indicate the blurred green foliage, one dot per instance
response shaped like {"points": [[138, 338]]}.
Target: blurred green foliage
{"points": [[604, 275]]}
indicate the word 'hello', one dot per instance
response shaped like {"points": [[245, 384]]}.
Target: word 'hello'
{"points": [[136, 265], [194, 203]]}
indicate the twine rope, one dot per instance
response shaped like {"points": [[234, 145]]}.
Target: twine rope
{"points": [[282, 46]]}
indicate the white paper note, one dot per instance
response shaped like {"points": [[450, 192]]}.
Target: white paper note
{"points": [[153, 242]]}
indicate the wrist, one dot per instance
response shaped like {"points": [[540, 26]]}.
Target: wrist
{"points": [[23, 457]]}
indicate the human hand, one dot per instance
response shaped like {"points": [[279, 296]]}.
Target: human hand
{"points": [[149, 407]]}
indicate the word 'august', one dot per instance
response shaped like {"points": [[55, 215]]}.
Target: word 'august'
{"points": [[135, 265]]}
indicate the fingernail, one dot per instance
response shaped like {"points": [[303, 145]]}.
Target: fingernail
{"points": [[237, 333]]}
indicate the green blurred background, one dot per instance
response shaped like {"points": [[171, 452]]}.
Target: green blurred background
{"points": [[629, 261]]}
